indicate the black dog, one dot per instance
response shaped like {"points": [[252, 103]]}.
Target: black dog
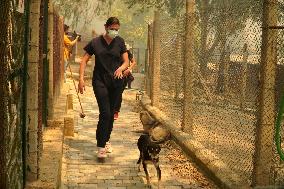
{"points": [[149, 153]]}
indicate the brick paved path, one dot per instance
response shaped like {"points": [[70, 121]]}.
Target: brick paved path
{"points": [[119, 171]]}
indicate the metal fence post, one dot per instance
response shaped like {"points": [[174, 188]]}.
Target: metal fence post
{"points": [[56, 55], [148, 63], [179, 54], [24, 93], [45, 64], [187, 120], [155, 88], [50, 59], [151, 62], [145, 69], [61, 33], [263, 160]]}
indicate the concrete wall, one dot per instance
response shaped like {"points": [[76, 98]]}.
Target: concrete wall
{"points": [[32, 90]]}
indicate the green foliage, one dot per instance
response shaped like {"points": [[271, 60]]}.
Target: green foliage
{"points": [[171, 7], [221, 19], [220, 23], [134, 14], [133, 21], [83, 11], [133, 25]]}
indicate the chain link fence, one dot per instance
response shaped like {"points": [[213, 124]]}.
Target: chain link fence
{"points": [[42, 44], [12, 50], [58, 65], [172, 56], [237, 82]]}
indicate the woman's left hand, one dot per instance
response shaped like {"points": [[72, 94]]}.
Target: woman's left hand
{"points": [[118, 73], [126, 72]]}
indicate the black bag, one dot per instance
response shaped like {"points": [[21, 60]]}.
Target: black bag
{"points": [[130, 77]]}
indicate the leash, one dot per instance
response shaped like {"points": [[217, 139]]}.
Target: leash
{"points": [[82, 114]]}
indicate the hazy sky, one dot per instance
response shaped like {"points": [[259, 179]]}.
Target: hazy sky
{"points": [[97, 23]]}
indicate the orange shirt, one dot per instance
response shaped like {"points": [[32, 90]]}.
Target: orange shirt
{"points": [[67, 47]]}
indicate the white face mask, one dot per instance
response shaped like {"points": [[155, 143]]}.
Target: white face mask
{"points": [[112, 33]]}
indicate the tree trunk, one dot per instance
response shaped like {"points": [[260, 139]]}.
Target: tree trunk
{"points": [[264, 157], [187, 119], [4, 13], [156, 61]]}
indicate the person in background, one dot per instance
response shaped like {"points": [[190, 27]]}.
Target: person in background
{"points": [[111, 60], [128, 78], [68, 44]]}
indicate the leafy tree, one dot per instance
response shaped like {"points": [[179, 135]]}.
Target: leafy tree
{"points": [[83, 11], [133, 25], [172, 7], [219, 21]]}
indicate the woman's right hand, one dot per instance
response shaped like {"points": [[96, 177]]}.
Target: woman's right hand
{"points": [[81, 86], [118, 73]]}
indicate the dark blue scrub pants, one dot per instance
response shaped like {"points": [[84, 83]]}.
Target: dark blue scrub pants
{"points": [[107, 95]]}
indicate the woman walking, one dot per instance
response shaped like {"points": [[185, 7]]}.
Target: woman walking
{"points": [[111, 60]]}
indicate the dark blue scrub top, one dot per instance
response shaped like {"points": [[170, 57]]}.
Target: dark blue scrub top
{"points": [[108, 57]]}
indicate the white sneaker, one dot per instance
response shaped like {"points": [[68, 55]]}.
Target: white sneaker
{"points": [[108, 147], [101, 153]]}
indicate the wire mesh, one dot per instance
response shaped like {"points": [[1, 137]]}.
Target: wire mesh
{"points": [[40, 76], [57, 54], [277, 42], [12, 58], [235, 90], [225, 85], [149, 60], [172, 57]]}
